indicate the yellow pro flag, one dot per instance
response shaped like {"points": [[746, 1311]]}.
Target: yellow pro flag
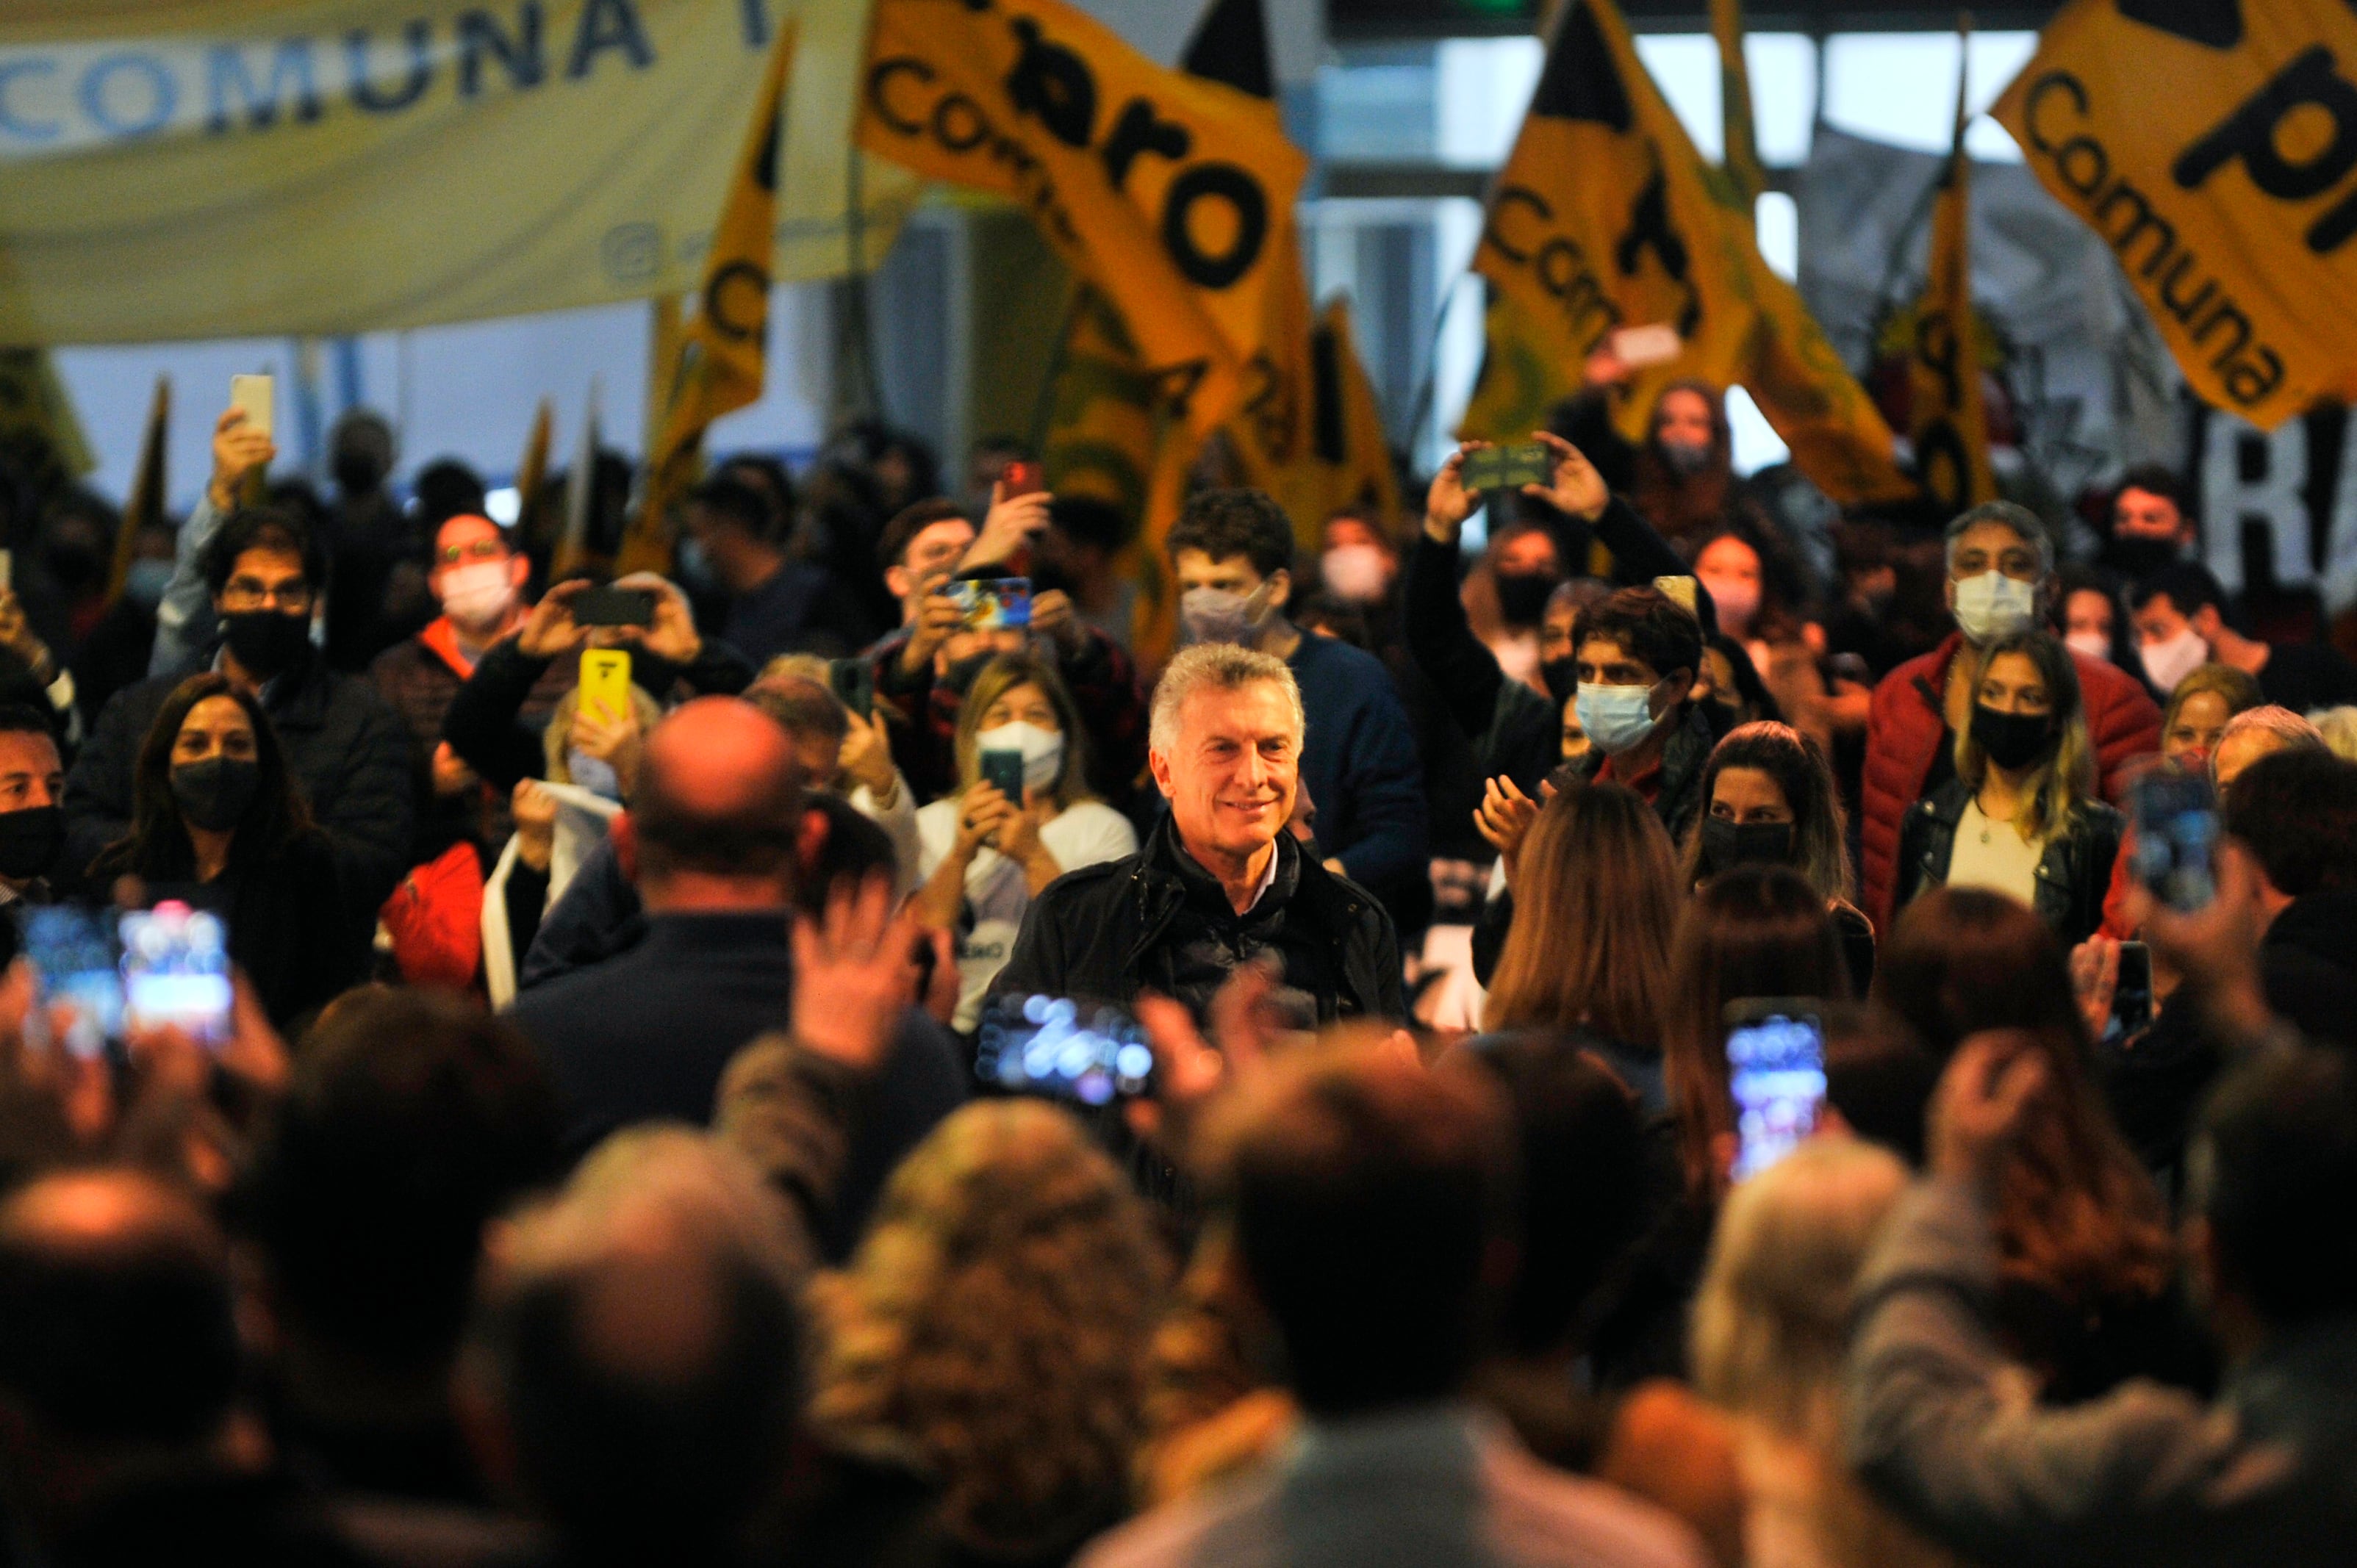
{"points": [[1741, 157], [1606, 216], [2213, 146], [1165, 191], [720, 353], [1948, 419], [1350, 437], [1525, 373]]}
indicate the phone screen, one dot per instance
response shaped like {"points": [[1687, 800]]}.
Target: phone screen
{"points": [[73, 952], [1508, 467], [853, 681], [1778, 1061], [176, 972], [1019, 477], [1091, 1052], [1003, 771], [2176, 818], [993, 604], [2132, 995]]}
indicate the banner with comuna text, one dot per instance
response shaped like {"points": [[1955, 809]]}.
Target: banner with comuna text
{"points": [[209, 168], [2213, 143]]}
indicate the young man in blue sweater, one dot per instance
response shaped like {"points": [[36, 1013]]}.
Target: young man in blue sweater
{"points": [[1231, 553]]}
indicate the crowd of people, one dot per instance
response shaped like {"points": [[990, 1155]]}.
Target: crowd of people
{"points": [[622, 1143]]}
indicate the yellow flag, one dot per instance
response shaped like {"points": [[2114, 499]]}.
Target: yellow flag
{"points": [[1350, 437], [2213, 147], [1950, 425], [1168, 192], [1103, 424], [144, 505], [1525, 373], [1740, 158], [720, 353], [1605, 216]]}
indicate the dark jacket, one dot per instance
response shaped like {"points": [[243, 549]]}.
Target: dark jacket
{"points": [[345, 747], [646, 1034], [418, 676], [1908, 725], [2146, 1476], [2072, 875], [1677, 796], [2308, 964], [1159, 922]]}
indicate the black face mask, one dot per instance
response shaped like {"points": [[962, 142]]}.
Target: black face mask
{"points": [[1523, 596], [215, 794], [1562, 678], [266, 642], [1726, 844], [2012, 741], [30, 840], [74, 567]]}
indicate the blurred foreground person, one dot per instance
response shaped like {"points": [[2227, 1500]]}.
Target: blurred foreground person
{"points": [[119, 1362], [1370, 1199]]}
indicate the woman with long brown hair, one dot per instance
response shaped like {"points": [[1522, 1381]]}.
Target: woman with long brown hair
{"points": [[1755, 931], [1596, 900], [2088, 1263], [218, 820]]}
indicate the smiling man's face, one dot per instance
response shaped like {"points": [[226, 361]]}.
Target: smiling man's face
{"points": [[1234, 771]]}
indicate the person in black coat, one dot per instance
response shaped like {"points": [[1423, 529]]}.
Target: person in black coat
{"points": [[643, 1036], [218, 822], [1220, 882], [346, 751]]}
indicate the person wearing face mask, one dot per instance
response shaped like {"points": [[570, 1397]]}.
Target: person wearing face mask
{"points": [[1524, 570], [1515, 731], [32, 828], [218, 820], [984, 856], [2152, 524], [257, 571], [2021, 815], [1770, 800], [924, 669], [2000, 569], [1636, 656], [2180, 622], [733, 544], [1231, 558], [377, 550]]}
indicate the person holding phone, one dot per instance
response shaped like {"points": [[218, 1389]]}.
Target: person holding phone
{"points": [[216, 816], [988, 848], [2021, 815]]}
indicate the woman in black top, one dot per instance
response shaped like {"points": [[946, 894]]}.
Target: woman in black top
{"points": [[216, 818]]}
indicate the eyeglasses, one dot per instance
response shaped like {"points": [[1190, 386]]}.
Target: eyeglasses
{"points": [[480, 549], [246, 594]]}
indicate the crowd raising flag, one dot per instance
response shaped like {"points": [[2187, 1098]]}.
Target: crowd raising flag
{"points": [[1948, 417], [1606, 216], [1169, 194], [2214, 149], [720, 353]]}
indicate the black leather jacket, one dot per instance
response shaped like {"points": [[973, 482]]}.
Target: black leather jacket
{"points": [[2073, 875]]}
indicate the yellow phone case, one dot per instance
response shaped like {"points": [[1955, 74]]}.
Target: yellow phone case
{"points": [[605, 679]]}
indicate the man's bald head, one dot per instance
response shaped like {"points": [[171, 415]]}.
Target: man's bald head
{"points": [[115, 1319], [719, 796]]}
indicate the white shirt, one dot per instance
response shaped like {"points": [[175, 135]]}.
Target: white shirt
{"points": [[1992, 854], [996, 892]]}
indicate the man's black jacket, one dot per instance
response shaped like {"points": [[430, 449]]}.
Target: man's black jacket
{"points": [[1111, 930]]}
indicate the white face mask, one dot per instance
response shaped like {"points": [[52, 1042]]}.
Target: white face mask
{"points": [[479, 595], [2094, 645], [2173, 659], [1993, 605], [1358, 573], [1042, 750], [1219, 615]]}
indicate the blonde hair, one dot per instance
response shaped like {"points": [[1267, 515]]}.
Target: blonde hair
{"points": [[1009, 673], [2339, 729], [1771, 1319], [557, 738], [1217, 666], [2065, 781], [997, 1316]]}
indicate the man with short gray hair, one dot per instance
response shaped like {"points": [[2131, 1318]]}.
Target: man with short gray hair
{"points": [[2001, 581], [1219, 882]]}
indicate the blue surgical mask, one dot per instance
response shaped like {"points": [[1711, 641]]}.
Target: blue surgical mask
{"points": [[1617, 718], [594, 774], [694, 563]]}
